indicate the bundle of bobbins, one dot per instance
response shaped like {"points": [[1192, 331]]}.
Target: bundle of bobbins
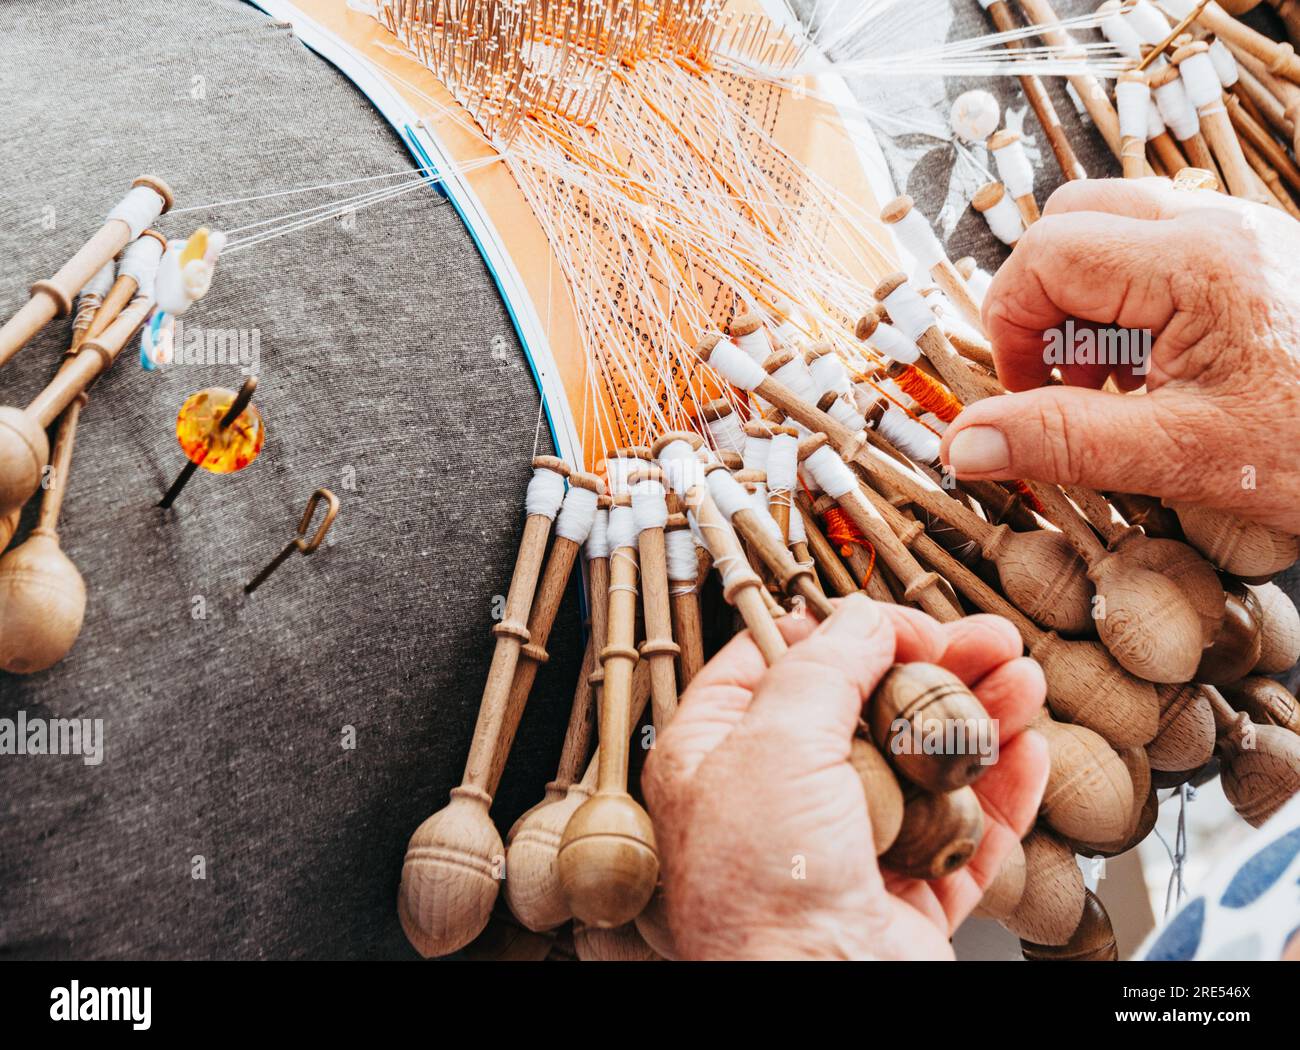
{"points": [[697, 510], [42, 594]]}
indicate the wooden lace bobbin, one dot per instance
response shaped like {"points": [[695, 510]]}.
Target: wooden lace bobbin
{"points": [[1092, 941], [148, 198], [608, 864], [24, 449], [1266, 701], [650, 515], [1133, 100], [750, 334], [835, 478], [1015, 172], [725, 427], [1289, 12], [1279, 58], [1053, 900], [1205, 94], [741, 587], [884, 796], [1277, 99], [1242, 548], [1003, 894], [532, 885], [917, 699], [573, 525], [612, 944], [42, 595], [1039, 100], [1260, 764], [138, 265], [1265, 169], [1142, 617], [1084, 683], [1085, 84], [1039, 571], [1139, 770], [1089, 796], [875, 579], [762, 535], [1236, 648], [505, 940], [1279, 641], [918, 239], [1000, 212], [1185, 738], [828, 562], [450, 876], [684, 597], [1181, 563], [1181, 118], [782, 476], [977, 280], [939, 834]]}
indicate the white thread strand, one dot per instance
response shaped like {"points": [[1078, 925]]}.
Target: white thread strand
{"points": [[828, 373], [909, 311], [1014, 169], [138, 209], [649, 508], [545, 492], [577, 514], [917, 238], [831, 472], [738, 369], [894, 345], [598, 537], [782, 462]]}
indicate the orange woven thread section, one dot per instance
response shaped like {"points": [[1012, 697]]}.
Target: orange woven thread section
{"points": [[928, 394], [1026, 494], [863, 378], [840, 530]]}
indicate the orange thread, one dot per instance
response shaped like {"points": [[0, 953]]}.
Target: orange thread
{"points": [[1027, 494], [841, 530], [862, 377], [928, 394]]}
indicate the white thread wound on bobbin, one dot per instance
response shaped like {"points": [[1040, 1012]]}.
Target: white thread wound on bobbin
{"points": [[909, 311], [622, 527], [619, 468], [917, 238], [758, 503], [1155, 123], [138, 209], [909, 436], [1122, 36], [1225, 63], [782, 462], [844, 413], [831, 472], [682, 468], [798, 534], [1004, 220], [598, 537], [894, 345], [794, 375], [727, 432], [1200, 79], [545, 492], [978, 282], [757, 449], [682, 565], [755, 345], [728, 493], [649, 508], [738, 369], [577, 514], [1014, 169], [140, 259], [1133, 99], [1176, 109], [1148, 23], [828, 373], [100, 282]]}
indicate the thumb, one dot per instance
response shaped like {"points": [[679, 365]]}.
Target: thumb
{"points": [[1157, 444]]}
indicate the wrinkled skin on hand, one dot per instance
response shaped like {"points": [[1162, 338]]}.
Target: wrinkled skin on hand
{"points": [[751, 785], [1217, 282]]}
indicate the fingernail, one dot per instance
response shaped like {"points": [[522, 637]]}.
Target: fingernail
{"points": [[979, 450]]}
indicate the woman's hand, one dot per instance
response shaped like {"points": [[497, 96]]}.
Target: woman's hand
{"points": [[762, 824], [1216, 282]]}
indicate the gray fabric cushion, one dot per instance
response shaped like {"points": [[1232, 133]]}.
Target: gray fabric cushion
{"points": [[386, 354]]}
